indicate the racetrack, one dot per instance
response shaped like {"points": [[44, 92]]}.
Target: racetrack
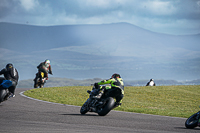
{"points": [[24, 115]]}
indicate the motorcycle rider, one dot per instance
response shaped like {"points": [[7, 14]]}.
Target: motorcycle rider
{"points": [[44, 67], [10, 73], [151, 83], [116, 90]]}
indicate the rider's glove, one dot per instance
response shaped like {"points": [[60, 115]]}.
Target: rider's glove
{"points": [[96, 85]]}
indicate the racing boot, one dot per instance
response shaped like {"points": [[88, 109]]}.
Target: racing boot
{"points": [[117, 104], [11, 95]]}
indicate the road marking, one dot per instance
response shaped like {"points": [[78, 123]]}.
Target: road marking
{"points": [[21, 93]]}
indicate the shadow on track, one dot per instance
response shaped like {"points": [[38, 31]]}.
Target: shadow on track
{"points": [[80, 114], [184, 128]]}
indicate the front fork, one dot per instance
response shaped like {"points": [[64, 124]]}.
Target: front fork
{"points": [[91, 104]]}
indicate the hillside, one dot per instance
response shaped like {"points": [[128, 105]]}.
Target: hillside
{"points": [[88, 51], [57, 82]]}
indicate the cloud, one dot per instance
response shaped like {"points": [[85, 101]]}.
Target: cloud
{"points": [[159, 8], [6, 7], [29, 4], [153, 15]]}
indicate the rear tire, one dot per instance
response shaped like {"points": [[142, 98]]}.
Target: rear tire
{"points": [[110, 102], [192, 121]]}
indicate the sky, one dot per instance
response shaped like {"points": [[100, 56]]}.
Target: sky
{"points": [[177, 17]]}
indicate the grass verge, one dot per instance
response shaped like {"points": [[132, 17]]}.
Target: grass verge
{"points": [[176, 101]]}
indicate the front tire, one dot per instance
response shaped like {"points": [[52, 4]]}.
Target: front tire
{"points": [[2, 95], [192, 121], [35, 85], [110, 102], [84, 108]]}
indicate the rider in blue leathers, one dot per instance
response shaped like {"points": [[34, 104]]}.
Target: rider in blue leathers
{"points": [[10, 73]]}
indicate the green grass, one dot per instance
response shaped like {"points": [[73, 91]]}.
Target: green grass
{"points": [[177, 101]]}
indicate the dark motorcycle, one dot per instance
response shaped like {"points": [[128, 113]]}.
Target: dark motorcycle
{"points": [[98, 102], [37, 81], [4, 92], [193, 120]]}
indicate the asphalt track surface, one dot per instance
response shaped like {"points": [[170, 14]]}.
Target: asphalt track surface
{"points": [[23, 115]]}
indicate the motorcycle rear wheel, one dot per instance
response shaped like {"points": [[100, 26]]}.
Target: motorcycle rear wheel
{"points": [[192, 121], [110, 102]]}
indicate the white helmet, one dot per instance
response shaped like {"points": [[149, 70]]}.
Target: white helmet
{"points": [[47, 61]]}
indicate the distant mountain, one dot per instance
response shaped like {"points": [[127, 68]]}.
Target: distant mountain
{"points": [[88, 51]]}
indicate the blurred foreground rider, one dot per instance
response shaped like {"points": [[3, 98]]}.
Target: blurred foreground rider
{"points": [[151, 83], [10, 73], [44, 67], [116, 90]]}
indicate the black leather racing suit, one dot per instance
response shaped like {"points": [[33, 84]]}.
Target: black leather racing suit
{"points": [[11, 74]]}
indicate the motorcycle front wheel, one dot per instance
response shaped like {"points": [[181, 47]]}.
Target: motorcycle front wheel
{"points": [[84, 108], [3, 93], [192, 121], [35, 85]]}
